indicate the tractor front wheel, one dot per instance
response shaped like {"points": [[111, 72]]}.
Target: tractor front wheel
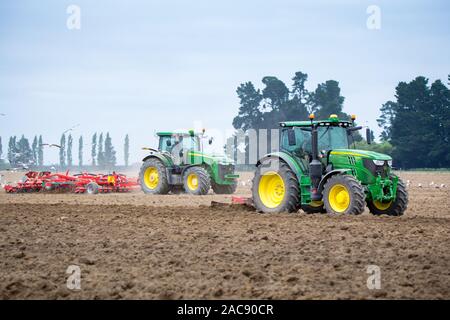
{"points": [[275, 188], [391, 208], [196, 181], [153, 178], [344, 194]]}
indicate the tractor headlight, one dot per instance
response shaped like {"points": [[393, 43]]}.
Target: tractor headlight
{"points": [[390, 163], [378, 162]]}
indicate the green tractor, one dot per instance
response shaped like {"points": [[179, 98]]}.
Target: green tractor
{"points": [[180, 165], [316, 170]]}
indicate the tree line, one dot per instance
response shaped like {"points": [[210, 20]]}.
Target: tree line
{"points": [[417, 124], [264, 109], [22, 153], [415, 127]]}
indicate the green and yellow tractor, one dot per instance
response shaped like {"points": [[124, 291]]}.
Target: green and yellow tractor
{"points": [[316, 170], [180, 165]]}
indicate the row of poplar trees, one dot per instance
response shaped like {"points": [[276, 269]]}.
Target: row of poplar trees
{"points": [[20, 152]]}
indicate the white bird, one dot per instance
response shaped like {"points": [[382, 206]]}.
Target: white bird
{"points": [[442, 185], [431, 183], [436, 186], [419, 185], [51, 145]]}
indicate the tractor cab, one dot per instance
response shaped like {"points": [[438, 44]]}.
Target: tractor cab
{"points": [[332, 134], [169, 141]]}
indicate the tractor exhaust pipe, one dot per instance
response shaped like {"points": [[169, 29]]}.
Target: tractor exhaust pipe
{"points": [[315, 166]]}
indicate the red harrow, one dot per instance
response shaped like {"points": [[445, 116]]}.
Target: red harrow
{"points": [[78, 183]]}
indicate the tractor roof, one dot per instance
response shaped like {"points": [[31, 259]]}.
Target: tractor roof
{"points": [[333, 119], [180, 133]]}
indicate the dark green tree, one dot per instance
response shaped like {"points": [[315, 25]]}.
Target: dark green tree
{"points": [[80, 151], [327, 100], [126, 150], [109, 153], [419, 124], [94, 149], [275, 93], [34, 148], [249, 115], [69, 151], [40, 152], [100, 153], [62, 151], [300, 94], [12, 150], [385, 120], [24, 152]]}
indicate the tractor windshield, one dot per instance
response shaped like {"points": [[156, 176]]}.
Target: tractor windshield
{"points": [[299, 139], [191, 143], [332, 138]]}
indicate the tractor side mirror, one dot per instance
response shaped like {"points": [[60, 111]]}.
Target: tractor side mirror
{"points": [[368, 136], [210, 141], [291, 137], [168, 143]]}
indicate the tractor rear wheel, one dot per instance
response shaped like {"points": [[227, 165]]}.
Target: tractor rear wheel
{"points": [[344, 194], [392, 208], [275, 188], [153, 177], [224, 188], [196, 181]]}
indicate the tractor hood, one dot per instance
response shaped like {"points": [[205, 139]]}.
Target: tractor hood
{"points": [[361, 153], [222, 159]]}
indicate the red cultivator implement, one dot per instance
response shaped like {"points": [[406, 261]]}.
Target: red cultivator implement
{"points": [[78, 183]]}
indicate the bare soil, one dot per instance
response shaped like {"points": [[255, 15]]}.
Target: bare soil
{"points": [[176, 246]]}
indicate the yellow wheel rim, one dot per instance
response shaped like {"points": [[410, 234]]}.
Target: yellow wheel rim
{"points": [[192, 181], [339, 198], [271, 189], [151, 177], [382, 205]]}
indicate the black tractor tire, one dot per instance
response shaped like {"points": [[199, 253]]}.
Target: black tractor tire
{"points": [[397, 207], [224, 188], [291, 200], [354, 190], [162, 186], [202, 183], [92, 188], [314, 209]]}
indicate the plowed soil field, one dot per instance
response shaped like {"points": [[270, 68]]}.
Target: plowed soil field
{"points": [[178, 247]]}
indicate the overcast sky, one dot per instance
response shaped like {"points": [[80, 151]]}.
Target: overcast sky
{"points": [[141, 66]]}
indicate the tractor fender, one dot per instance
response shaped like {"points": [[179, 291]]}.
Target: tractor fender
{"points": [[184, 168], [159, 156], [293, 165], [329, 175]]}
